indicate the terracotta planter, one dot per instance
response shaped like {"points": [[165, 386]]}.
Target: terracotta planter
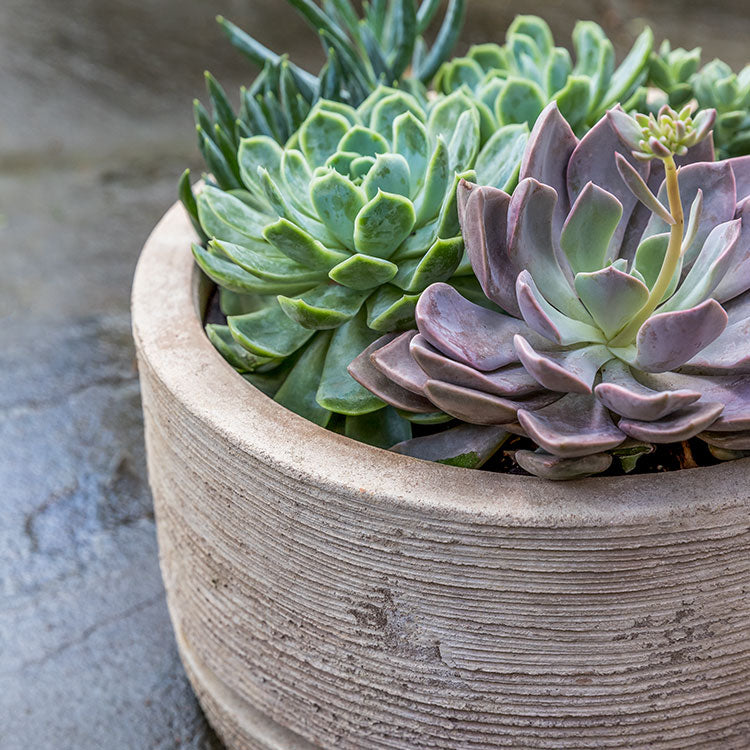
{"points": [[328, 594]]}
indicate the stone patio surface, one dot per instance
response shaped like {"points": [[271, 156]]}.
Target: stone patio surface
{"points": [[95, 128]]}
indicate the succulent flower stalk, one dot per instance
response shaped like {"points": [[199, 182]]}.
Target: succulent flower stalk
{"points": [[624, 325]]}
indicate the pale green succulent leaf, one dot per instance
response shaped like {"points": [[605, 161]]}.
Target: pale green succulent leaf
{"points": [[557, 69], [437, 181], [297, 393], [390, 173], [389, 309], [520, 101], [269, 332], [463, 146], [237, 356], [382, 429], [267, 263], [386, 111], [338, 202], [363, 272], [630, 70], [410, 141], [612, 297], [229, 275], [448, 224], [360, 166], [320, 135], [589, 228], [338, 390], [383, 224], [258, 151], [363, 141], [226, 217], [232, 303], [302, 247], [324, 307], [438, 264], [537, 29], [445, 114], [499, 161], [574, 100]]}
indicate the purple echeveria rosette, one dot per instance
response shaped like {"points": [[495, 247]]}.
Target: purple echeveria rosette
{"points": [[567, 259]]}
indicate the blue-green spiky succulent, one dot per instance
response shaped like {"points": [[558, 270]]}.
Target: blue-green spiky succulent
{"points": [[384, 46], [331, 239], [517, 80]]}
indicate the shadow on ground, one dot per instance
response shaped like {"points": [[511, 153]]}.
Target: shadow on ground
{"points": [[95, 129]]}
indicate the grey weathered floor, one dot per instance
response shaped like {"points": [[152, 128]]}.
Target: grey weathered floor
{"points": [[95, 127]]}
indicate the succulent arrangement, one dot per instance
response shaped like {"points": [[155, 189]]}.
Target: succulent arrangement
{"points": [[623, 287], [408, 266]]}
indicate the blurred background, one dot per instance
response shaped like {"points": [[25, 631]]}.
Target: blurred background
{"points": [[95, 129]]}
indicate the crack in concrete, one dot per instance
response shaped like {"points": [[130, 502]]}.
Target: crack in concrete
{"points": [[86, 634]]}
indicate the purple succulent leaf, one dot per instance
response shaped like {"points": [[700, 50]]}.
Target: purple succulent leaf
{"points": [[576, 425], [394, 360], [728, 354], [548, 150], [594, 161], [515, 429], [677, 426], [741, 168], [622, 394], [547, 466], [731, 390], [716, 180], [368, 376], [549, 322], [718, 254], [466, 445], [478, 407], [511, 381], [567, 371], [588, 230], [733, 441], [667, 340], [530, 246], [611, 296], [484, 228], [461, 330], [737, 277], [738, 308], [641, 190]]}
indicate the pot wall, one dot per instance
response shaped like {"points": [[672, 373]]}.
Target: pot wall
{"points": [[329, 594]]}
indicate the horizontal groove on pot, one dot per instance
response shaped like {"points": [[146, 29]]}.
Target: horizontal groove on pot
{"points": [[478, 616]]}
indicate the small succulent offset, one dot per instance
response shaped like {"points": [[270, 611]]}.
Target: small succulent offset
{"points": [[384, 46], [624, 284], [514, 82], [330, 240], [671, 72]]}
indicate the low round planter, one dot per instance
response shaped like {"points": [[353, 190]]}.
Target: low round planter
{"points": [[326, 594]]}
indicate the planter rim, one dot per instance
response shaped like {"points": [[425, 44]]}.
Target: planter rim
{"points": [[171, 342]]}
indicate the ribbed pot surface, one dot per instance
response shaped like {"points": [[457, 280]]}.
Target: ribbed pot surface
{"points": [[326, 594]]}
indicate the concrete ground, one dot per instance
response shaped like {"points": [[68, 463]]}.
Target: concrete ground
{"points": [[95, 128]]}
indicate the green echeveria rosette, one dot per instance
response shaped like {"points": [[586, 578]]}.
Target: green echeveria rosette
{"points": [[330, 240], [515, 81], [716, 86], [670, 75]]}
